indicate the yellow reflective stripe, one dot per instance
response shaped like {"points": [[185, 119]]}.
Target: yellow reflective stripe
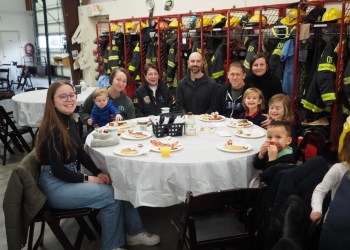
{"points": [[328, 97], [277, 52], [346, 80], [148, 60], [218, 74], [311, 106], [105, 60], [328, 109], [326, 66], [132, 68], [246, 64], [137, 49], [138, 77], [171, 64], [113, 57], [212, 58]]}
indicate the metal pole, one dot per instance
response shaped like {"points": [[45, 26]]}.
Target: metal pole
{"points": [[47, 43]]}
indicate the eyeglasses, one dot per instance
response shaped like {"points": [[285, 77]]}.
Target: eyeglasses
{"points": [[64, 98]]}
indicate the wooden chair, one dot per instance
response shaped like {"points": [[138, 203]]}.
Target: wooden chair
{"points": [[219, 219], [5, 85], [9, 132]]}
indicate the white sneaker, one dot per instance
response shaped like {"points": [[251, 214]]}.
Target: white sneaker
{"points": [[143, 238]]}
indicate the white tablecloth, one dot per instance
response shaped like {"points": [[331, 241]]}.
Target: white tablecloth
{"points": [[28, 107], [13, 72], [151, 180]]}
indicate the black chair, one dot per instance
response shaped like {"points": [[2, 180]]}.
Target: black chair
{"points": [[24, 199], [33, 89], [5, 85], [24, 80], [219, 219], [9, 132]]}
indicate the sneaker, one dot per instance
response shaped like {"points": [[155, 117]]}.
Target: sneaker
{"points": [[143, 238]]}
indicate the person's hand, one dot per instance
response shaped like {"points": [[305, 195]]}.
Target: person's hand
{"points": [[272, 152], [316, 217], [118, 117], [89, 121], [106, 178], [95, 179], [263, 150], [267, 122]]}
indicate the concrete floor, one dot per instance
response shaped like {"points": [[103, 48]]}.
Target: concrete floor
{"points": [[155, 220]]}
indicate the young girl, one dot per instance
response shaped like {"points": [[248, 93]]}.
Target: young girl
{"points": [[253, 103], [280, 108], [103, 109], [332, 179]]}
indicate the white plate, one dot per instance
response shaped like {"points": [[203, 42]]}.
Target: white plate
{"points": [[221, 146], [127, 125], [249, 133], [140, 151], [128, 136], [167, 140], [235, 124], [204, 120]]}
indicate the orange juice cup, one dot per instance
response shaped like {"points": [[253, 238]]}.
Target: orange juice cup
{"points": [[165, 151]]}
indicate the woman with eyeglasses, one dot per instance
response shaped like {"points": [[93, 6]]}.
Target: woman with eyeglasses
{"points": [[118, 80], [152, 95], [229, 97], [58, 149]]}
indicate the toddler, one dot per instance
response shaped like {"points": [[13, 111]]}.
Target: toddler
{"points": [[253, 103], [103, 111]]}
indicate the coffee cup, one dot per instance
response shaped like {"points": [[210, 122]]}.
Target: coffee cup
{"points": [[77, 89], [165, 110], [143, 125]]}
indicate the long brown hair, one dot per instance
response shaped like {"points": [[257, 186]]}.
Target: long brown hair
{"points": [[287, 106], [51, 122]]}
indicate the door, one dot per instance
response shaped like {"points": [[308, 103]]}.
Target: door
{"points": [[11, 47]]}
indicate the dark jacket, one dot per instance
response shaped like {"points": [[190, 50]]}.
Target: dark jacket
{"points": [[225, 105], [346, 94], [256, 118], [172, 65], [111, 59], [135, 64], [22, 201], [252, 50], [216, 69], [196, 96], [264, 164], [146, 104], [268, 84], [275, 64], [320, 94]]}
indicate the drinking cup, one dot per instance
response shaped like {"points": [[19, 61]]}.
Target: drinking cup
{"points": [[165, 151], [165, 110]]}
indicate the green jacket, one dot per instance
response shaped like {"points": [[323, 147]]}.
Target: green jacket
{"points": [[123, 103], [22, 201]]}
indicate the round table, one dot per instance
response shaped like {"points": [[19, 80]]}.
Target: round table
{"points": [[155, 181], [28, 107]]}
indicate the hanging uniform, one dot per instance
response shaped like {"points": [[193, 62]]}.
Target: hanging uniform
{"points": [[321, 93], [151, 54], [135, 63], [252, 50], [172, 65], [287, 56], [111, 59], [346, 90], [216, 69], [197, 48]]}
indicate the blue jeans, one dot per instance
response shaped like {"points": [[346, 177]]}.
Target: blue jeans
{"points": [[116, 215]]}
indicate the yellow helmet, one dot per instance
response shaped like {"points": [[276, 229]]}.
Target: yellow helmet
{"points": [[206, 22], [174, 24], [288, 21], [143, 25], [255, 19], [346, 129], [293, 13], [115, 27], [218, 21], [129, 27], [234, 21], [347, 19], [332, 15]]}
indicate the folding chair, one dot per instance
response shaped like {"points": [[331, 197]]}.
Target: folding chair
{"points": [[9, 132], [218, 219], [24, 79], [5, 80]]}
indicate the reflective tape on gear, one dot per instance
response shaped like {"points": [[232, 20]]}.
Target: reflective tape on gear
{"points": [[328, 97], [246, 64], [326, 67], [137, 49], [116, 57], [138, 78], [132, 68], [218, 74], [346, 80], [277, 52], [212, 58], [171, 64], [311, 106]]}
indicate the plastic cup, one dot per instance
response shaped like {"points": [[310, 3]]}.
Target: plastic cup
{"points": [[165, 110], [165, 151]]}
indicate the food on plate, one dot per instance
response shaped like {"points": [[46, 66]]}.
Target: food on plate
{"points": [[140, 145], [241, 123], [159, 144], [214, 116], [118, 124], [241, 132], [128, 151], [230, 146], [279, 147], [136, 134]]}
